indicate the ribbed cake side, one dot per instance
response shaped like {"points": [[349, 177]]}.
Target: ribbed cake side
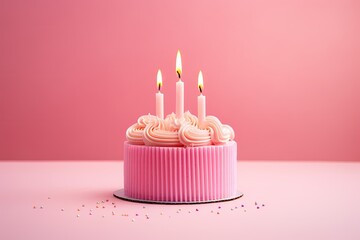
{"points": [[179, 174]]}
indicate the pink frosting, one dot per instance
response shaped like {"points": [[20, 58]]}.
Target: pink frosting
{"points": [[171, 131]]}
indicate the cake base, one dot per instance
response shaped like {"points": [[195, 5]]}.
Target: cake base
{"points": [[121, 195]]}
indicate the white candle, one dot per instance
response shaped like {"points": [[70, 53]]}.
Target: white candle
{"points": [[159, 97], [179, 88], [201, 101]]}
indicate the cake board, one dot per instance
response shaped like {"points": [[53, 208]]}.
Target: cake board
{"points": [[120, 194]]}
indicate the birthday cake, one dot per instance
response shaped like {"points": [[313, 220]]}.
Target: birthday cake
{"points": [[181, 158]]}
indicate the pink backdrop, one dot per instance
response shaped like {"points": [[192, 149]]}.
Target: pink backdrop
{"points": [[75, 74]]}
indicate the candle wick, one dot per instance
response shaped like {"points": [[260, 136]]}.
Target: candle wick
{"points": [[178, 73], [200, 89], [159, 86]]}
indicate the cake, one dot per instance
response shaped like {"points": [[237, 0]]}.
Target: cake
{"points": [[175, 160], [181, 158]]}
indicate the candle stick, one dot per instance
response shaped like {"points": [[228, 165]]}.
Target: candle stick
{"points": [[201, 101], [159, 97], [179, 88]]}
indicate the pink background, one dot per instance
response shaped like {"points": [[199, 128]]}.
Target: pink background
{"points": [[75, 74]]}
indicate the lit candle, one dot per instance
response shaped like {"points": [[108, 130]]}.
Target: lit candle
{"points": [[159, 97], [179, 88], [201, 101]]}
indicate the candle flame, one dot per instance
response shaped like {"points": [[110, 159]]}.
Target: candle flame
{"points": [[159, 79], [200, 82], [178, 64]]}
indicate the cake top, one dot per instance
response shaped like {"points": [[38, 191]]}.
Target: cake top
{"points": [[174, 132]]}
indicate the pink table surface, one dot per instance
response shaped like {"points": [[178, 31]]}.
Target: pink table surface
{"points": [[302, 200]]}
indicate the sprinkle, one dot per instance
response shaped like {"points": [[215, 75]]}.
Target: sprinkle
{"points": [[235, 207], [136, 214], [263, 205], [103, 206], [143, 206], [62, 209], [114, 206], [217, 213], [147, 217], [257, 207], [97, 203], [242, 205], [90, 210], [78, 210], [34, 207], [197, 210], [97, 206], [177, 211], [83, 205], [133, 220], [212, 211], [255, 203], [90, 213], [232, 209], [113, 213], [49, 197], [103, 216], [219, 207], [102, 201], [41, 207], [244, 210], [161, 213], [189, 211], [113, 203], [107, 200], [78, 215]]}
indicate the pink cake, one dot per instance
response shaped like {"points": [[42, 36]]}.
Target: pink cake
{"points": [[175, 161]]}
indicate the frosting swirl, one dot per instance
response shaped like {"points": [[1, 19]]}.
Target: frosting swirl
{"points": [[156, 134], [220, 134], [134, 134], [192, 136]]}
